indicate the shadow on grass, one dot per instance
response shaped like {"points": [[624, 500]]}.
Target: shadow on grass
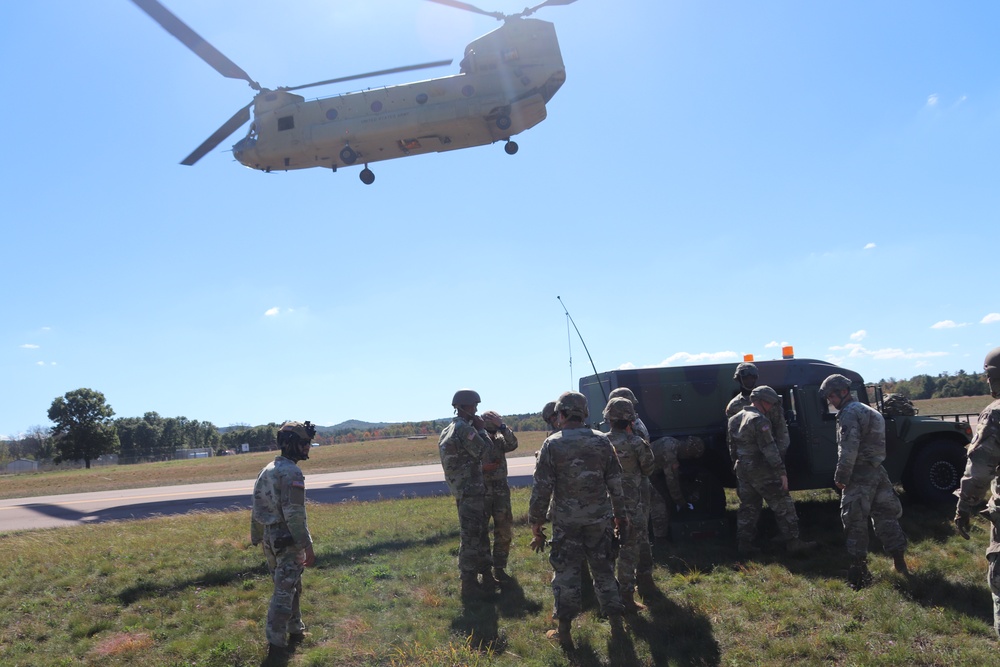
{"points": [[479, 625], [932, 590], [512, 603], [227, 576]]}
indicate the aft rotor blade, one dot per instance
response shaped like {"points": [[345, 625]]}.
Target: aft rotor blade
{"points": [[407, 68], [194, 41], [469, 8], [230, 126]]}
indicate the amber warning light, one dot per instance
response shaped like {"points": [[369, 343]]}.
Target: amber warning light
{"points": [[748, 358], [787, 352]]}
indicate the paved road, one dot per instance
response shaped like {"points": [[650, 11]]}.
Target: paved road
{"points": [[83, 508]]}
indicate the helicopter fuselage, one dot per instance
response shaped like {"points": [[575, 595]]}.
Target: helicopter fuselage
{"points": [[507, 77]]}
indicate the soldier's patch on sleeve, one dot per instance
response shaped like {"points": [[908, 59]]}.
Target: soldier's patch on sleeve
{"points": [[299, 483], [297, 494], [472, 434], [765, 426]]}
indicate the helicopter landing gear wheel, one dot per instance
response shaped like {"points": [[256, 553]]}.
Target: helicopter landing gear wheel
{"points": [[503, 122], [348, 156], [367, 176], [510, 147]]}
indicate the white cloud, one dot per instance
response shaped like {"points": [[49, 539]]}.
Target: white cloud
{"points": [[704, 357], [859, 335], [29, 346], [628, 365], [39, 363], [869, 246], [856, 351], [272, 312], [773, 343], [990, 319], [948, 324], [932, 99]]}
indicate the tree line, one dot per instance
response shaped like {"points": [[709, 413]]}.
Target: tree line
{"points": [[943, 385]]}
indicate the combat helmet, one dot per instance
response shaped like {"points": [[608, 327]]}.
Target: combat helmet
{"points": [[623, 392], [745, 369], [992, 367], [765, 393], [573, 404], [465, 397], [691, 447], [294, 440], [619, 408], [835, 382], [548, 411]]}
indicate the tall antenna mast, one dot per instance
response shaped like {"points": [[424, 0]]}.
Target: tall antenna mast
{"points": [[570, 319]]}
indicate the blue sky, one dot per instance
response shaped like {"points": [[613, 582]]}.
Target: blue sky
{"points": [[713, 179]]}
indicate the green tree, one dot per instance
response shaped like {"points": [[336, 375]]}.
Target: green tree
{"points": [[83, 426]]}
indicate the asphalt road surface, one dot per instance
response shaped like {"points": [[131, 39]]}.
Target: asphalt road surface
{"points": [[99, 507]]}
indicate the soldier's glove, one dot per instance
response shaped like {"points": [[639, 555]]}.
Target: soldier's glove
{"points": [[537, 543], [962, 521]]}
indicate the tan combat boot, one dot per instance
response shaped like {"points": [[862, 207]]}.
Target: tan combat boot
{"points": [[564, 635], [899, 562], [631, 606], [797, 546], [858, 576]]}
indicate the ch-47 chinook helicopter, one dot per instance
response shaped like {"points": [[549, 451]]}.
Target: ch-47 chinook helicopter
{"points": [[506, 78]]}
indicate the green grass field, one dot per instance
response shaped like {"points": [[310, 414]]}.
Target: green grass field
{"points": [[190, 590]]}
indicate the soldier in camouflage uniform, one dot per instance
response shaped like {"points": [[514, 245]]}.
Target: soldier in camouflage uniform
{"points": [[462, 446], [980, 475], [746, 374], [760, 474], [497, 498], [868, 496], [636, 459], [651, 502], [578, 467], [278, 521], [667, 455]]}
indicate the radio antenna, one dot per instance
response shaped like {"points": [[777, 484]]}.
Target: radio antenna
{"points": [[569, 319]]}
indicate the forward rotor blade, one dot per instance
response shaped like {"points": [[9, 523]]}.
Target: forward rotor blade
{"points": [[469, 8], [408, 68], [194, 41], [529, 12], [230, 126]]}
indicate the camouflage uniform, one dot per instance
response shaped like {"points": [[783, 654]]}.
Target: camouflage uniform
{"points": [[868, 494], [779, 428], [577, 468], [497, 500], [981, 475], [279, 521], [636, 459], [759, 470], [462, 451]]}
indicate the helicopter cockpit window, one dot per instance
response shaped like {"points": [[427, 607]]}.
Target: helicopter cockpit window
{"points": [[286, 123], [468, 64]]}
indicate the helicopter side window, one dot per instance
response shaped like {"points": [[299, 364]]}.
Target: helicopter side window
{"points": [[468, 63], [286, 123]]}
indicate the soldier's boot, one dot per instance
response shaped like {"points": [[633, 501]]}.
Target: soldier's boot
{"points": [[490, 583], [564, 635], [798, 546], [631, 606], [858, 576], [296, 638], [746, 548], [470, 587], [899, 562], [645, 585], [500, 574], [617, 627], [276, 655]]}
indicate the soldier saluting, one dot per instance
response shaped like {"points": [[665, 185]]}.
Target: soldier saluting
{"points": [[278, 521]]}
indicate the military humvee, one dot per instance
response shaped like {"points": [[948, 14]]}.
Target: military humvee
{"points": [[925, 453]]}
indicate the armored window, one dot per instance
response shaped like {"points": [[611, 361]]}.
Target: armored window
{"points": [[286, 123]]}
